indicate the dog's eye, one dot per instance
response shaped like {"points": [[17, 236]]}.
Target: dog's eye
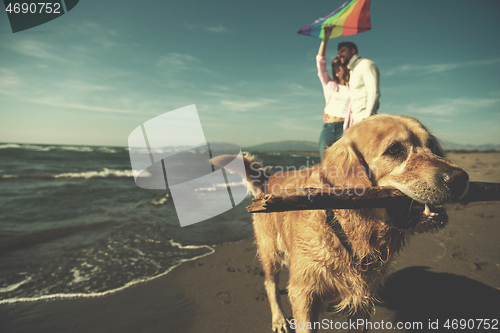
{"points": [[395, 149]]}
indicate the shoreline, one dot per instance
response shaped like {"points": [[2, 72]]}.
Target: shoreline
{"points": [[55, 297]]}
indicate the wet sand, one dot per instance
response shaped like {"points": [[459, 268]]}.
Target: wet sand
{"points": [[453, 274]]}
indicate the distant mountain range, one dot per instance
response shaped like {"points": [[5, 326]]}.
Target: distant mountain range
{"points": [[295, 145], [291, 145], [447, 145]]}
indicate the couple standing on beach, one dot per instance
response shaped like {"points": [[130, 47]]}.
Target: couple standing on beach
{"points": [[351, 95]]}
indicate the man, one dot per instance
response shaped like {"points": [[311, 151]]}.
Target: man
{"points": [[363, 82]]}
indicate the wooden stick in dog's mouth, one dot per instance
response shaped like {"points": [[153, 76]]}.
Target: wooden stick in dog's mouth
{"points": [[354, 198]]}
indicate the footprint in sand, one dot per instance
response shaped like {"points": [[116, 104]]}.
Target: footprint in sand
{"points": [[225, 297]]}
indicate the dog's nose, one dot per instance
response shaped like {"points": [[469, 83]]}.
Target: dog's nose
{"points": [[457, 181]]}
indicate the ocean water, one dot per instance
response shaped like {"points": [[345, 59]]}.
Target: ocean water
{"points": [[73, 223]]}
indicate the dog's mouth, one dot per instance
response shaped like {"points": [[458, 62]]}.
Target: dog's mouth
{"points": [[418, 217]]}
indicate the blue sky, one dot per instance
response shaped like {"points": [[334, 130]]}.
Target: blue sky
{"points": [[93, 75]]}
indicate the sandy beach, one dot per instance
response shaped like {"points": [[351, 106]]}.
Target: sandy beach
{"points": [[453, 274]]}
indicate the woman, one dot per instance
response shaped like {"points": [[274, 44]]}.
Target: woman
{"points": [[336, 93]]}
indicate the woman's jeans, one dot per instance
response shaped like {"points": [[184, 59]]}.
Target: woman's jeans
{"points": [[331, 132]]}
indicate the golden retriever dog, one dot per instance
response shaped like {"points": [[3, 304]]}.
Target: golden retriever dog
{"points": [[343, 255]]}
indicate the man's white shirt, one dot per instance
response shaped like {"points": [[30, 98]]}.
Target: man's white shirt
{"points": [[364, 86]]}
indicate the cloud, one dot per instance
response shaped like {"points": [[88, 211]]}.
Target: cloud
{"points": [[79, 87], [453, 106], [98, 34], [180, 70], [9, 81], [442, 109], [245, 105], [219, 29], [296, 125], [36, 49], [438, 68], [475, 102], [58, 102], [174, 63], [177, 61]]}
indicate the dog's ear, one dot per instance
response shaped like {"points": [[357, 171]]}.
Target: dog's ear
{"points": [[435, 146], [343, 165]]}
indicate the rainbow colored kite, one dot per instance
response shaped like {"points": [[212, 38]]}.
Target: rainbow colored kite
{"points": [[353, 17]]}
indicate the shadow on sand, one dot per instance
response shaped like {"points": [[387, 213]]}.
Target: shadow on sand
{"points": [[418, 295]]}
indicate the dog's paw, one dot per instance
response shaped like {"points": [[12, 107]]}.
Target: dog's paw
{"points": [[281, 326]]}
